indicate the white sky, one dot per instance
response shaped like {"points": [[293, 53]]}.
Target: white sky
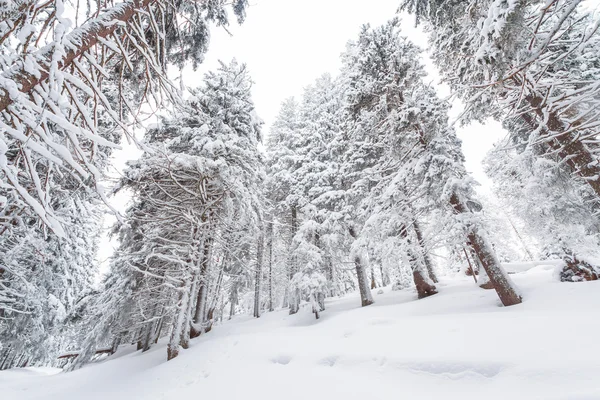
{"points": [[287, 44]]}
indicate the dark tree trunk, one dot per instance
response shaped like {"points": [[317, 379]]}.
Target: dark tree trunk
{"points": [[484, 251]]}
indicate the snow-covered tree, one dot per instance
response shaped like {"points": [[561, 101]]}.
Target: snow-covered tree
{"points": [[533, 66], [201, 174]]}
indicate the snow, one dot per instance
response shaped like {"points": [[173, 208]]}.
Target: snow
{"points": [[458, 344]]}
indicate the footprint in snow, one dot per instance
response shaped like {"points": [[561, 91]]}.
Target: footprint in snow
{"points": [[328, 361]]}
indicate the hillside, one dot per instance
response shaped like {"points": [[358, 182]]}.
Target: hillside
{"points": [[459, 344]]}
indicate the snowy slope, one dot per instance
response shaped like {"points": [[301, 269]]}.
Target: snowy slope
{"points": [[459, 344]]}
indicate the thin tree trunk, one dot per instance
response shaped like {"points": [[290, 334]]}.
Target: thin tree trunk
{"points": [[483, 249], [373, 282], [233, 299], [159, 328], [270, 252], [258, 273], [519, 236], [470, 265], [293, 297]]}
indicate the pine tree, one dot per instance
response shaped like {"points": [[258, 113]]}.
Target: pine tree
{"points": [[202, 169]]}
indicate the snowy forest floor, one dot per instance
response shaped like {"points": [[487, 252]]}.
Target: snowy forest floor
{"points": [[458, 344]]}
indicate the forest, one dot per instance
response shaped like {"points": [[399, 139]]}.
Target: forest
{"points": [[357, 186]]}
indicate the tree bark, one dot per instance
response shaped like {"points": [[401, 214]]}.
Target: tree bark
{"points": [[270, 253], [426, 258], [500, 281], [83, 38], [424, 286], [373, 282], [366, 298], [233, 299], [202, 287], [180, 319], [258, 273], [570, 150]]}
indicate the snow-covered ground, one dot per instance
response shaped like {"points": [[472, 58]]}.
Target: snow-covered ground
{"points": [[459, 344]]}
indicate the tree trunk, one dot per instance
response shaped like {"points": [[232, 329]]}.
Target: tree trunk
{"points": [[233, 299], [147, 342], [484, 251], [373, 282], [180, 320], [525, 247], [115, 344], [424, 286], [202, 288], [471, 271], [159, 329], [292, 297], [258, 272], [294, 230], [426, 258], [570, 149], [85, 37], [366, 298], [270, 253]]}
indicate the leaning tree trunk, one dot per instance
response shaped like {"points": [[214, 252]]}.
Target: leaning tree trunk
{"points": [[484, 251], [568, 147], [426, 258], [423, 284], [86, 37]]}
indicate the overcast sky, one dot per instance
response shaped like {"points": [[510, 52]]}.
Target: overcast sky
{"points": [[287, 44]]}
